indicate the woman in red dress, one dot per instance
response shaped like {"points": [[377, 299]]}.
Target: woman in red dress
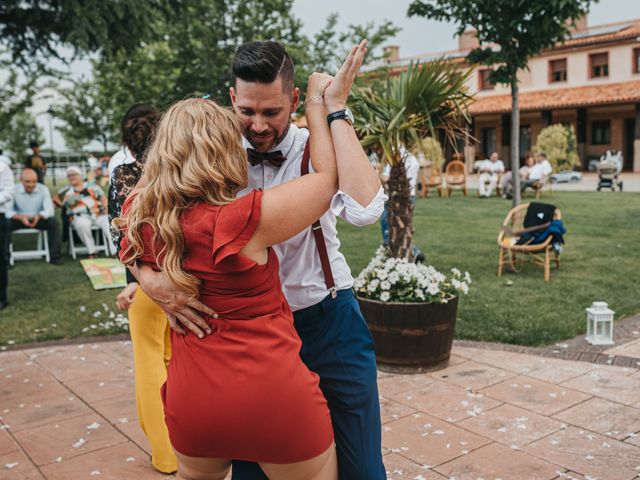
{"points": [[242, 392]]}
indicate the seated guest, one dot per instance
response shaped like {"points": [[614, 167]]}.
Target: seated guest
{"points": [[538, 174], [85, 206], [489, 172], [32, 208], [507, 178]]}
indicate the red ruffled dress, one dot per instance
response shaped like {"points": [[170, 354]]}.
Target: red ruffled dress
{"points": [[242, 392]]}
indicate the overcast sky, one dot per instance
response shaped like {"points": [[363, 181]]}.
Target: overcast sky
{"points": [[417, 36]]}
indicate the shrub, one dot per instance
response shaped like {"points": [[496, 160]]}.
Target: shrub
{"points": [[432, 151], [559, 143]]}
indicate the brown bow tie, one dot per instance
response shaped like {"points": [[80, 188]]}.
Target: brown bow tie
{"points": [[274, 158]]}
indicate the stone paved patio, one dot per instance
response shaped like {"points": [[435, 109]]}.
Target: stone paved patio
{"points": [[67, 412]]}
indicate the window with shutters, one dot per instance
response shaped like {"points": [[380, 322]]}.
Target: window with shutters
{"points": [[558, 70], [485, 83], [599, 65]]}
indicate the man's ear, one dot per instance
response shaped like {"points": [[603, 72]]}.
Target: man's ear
{"points": [[295, 99], [232, 94]]}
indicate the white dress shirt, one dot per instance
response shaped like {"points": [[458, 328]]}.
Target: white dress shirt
{"points": [[492, 167], [5, 159], [122, 156], [300, 268], [38, 202], [539, 170], [6, 188]]}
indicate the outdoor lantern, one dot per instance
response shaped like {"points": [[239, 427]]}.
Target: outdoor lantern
{"points": [[599, 324]]}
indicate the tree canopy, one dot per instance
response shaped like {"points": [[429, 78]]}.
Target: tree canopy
{"points": [[32, 31], [194, 54], [510, 32], [86, 114]]}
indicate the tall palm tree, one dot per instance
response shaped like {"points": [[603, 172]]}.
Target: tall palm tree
{"points": [[428, 99]]}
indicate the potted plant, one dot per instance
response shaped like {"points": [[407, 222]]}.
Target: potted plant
{"points": [[412, 323], [411, 310]]}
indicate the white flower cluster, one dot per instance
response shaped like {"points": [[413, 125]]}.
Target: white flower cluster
{"points": [[392, 279]]}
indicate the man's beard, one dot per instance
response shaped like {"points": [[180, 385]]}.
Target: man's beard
{"points": [[276, 141]]}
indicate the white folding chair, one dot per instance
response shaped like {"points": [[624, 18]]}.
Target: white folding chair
{"points": [[42, 246], [80, 249]]}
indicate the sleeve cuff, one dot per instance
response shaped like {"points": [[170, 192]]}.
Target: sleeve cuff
{"points": [[345, 207]]}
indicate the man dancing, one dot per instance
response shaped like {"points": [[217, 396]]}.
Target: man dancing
{"points": [[316, 280]]}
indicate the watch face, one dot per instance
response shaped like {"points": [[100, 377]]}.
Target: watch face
{"points": [[349, 114]]}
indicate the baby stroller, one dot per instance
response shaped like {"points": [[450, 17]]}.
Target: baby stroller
{"points": [[609, 169]]}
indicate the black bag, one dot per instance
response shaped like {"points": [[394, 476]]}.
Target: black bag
{"points": [[538, 214]]}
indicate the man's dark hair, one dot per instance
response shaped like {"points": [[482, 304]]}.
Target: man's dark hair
{"points": [[263, 62], [33, 144]]}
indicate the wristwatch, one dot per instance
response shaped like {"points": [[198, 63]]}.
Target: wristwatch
{"points": [[344, 114]]}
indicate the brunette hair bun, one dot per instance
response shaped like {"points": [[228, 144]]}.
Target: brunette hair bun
{"points": [[137, 128]]}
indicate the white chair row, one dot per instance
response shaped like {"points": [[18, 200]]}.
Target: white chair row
{"points": [[41, 250], [42, 245]]}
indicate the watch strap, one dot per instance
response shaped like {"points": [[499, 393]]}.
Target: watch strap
{"points": [[339, 115]]}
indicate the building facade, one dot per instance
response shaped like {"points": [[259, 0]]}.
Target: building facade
{"points": [[591, 82]]}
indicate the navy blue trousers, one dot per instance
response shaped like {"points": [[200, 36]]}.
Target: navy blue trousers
{"points": [[337, 345]]}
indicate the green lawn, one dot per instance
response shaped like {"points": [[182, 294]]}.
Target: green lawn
{"points": [[601, 262]]}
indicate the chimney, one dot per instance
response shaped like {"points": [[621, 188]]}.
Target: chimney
{"points": [[391, 53], [580, 23], [468, 40]]}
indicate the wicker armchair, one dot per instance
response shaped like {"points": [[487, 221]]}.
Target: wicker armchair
{"points": [[456, 177], [431, 178], [516, 255]]}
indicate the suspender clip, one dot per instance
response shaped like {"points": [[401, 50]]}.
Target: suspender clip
{"points": [[333, 291]]}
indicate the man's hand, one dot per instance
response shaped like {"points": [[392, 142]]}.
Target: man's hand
{"points": [[125, 297], [35, 220], [335, 96], [23, 219], [182, 309]]}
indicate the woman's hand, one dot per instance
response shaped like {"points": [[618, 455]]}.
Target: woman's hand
{"points": [[318, 83], [125, 298], [336, 94]]}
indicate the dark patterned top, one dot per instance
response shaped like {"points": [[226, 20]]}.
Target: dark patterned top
{"points": [[123, 181]]}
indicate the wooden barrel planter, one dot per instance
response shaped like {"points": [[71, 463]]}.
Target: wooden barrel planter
{"points": [[411, 336]]}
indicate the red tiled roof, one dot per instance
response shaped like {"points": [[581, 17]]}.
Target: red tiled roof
{"points": [[603, 94], [631, 31], [593, 35]]}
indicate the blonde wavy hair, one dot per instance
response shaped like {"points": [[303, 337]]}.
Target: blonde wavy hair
{"points": [[197, 155]]}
